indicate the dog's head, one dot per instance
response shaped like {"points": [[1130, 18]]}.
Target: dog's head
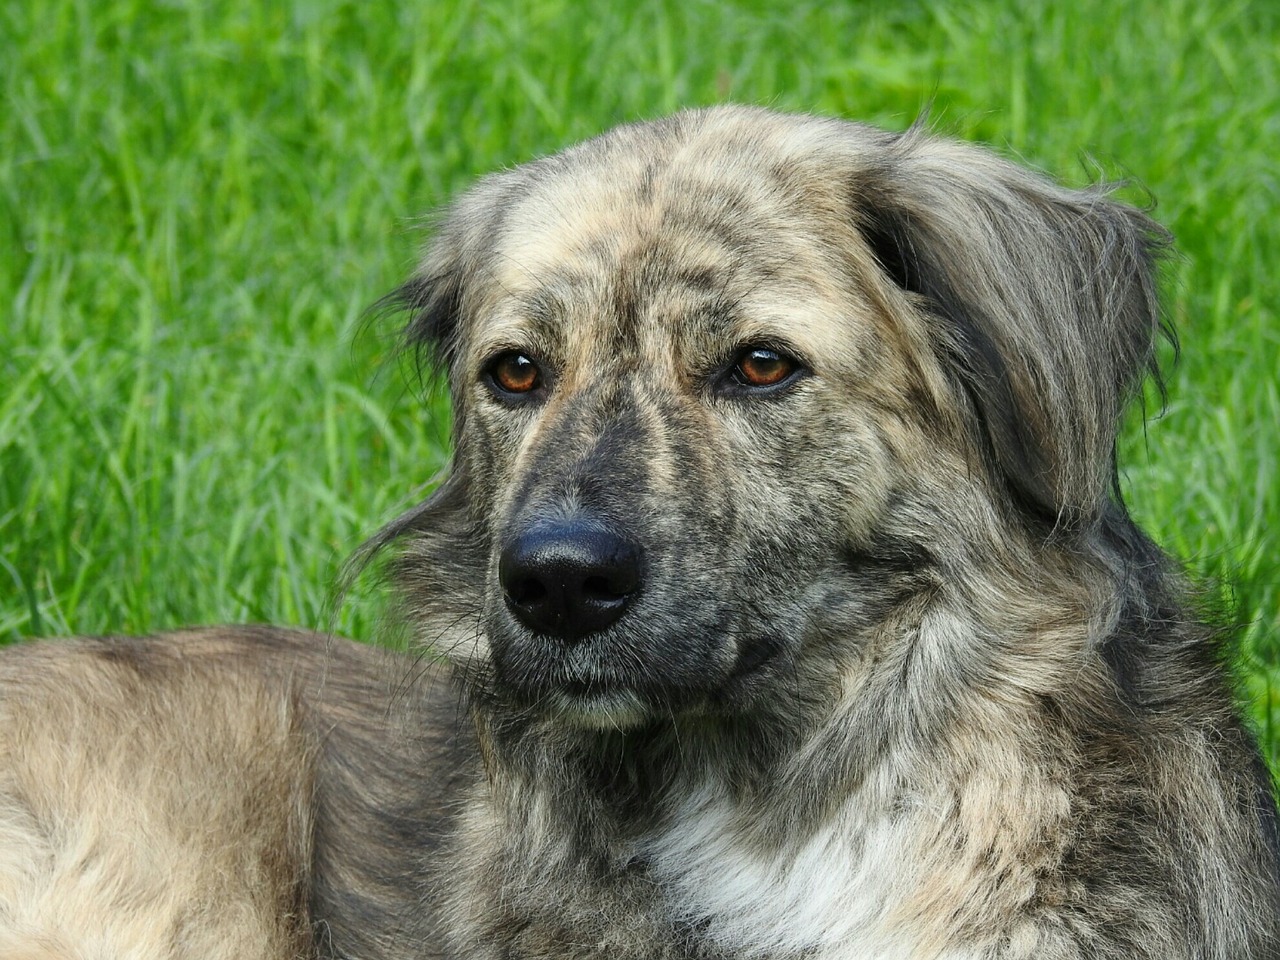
{"points": [[733, 387]]}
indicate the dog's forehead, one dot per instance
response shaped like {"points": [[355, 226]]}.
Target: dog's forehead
{"points": [[675, 239]]}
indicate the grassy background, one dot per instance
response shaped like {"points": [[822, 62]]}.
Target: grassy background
{"points": [[198, 199]]}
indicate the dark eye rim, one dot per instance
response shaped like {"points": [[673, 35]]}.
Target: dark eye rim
{"points": [[513, 397], [731, 382]]}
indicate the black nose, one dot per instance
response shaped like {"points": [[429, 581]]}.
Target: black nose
{"points": [[569, 579]]}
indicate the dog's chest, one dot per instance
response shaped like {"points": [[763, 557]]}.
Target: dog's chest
{"points": [[835, 894]]}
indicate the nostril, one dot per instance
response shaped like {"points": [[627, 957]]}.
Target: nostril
{"points": [[527, 591], [600, 588]]}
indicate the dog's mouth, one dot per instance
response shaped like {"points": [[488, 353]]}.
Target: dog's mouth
{"points": [[625, 675], [614, 703]]}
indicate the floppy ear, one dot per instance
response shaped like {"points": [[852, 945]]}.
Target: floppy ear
{"points": [[432, 298], [441, 550], [441, 291], [1042, 303]]}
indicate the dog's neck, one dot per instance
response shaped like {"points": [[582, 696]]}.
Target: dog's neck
{"points": [[668, 821], [807, 814], [780, 766]]}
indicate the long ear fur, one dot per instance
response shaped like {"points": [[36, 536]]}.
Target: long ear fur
{"points": [[1044, 305], [443, 551], [436, 298]]}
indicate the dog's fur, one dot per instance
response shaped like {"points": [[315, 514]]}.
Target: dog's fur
{"points": [[898, 677]]}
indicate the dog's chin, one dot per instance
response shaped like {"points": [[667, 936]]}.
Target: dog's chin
{"points": [[618, 708], [611, 703]]}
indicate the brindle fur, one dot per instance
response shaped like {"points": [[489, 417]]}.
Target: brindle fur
{"points": [[902, 679]]}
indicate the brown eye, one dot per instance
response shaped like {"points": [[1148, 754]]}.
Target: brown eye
{"points": [[514, 372], [761, 367]]}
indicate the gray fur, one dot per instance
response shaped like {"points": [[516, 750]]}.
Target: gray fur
{"points": [[902, 678]]}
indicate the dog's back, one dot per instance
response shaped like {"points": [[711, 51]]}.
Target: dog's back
{"points": [[164, 797]]}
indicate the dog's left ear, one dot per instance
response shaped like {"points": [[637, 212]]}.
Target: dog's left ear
{"points": [[1042, 305]]}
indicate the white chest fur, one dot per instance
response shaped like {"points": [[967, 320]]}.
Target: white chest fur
{"points": [[831, 895]]}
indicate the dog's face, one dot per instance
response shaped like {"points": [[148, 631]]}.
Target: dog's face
{"points": [[733, 387]]}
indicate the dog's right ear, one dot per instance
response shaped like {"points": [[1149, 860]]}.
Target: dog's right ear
{"points": [[440, 551], [432, 298], [439, 294]]}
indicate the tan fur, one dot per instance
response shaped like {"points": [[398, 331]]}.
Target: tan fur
{"points": [[888, 672], [168, 815], [162, 798]]}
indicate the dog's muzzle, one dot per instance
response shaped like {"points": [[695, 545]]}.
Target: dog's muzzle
{"points": [[571, 578]]}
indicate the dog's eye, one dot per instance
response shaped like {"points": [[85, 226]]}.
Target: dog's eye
{"points": [[762, 367], [514, 373]]}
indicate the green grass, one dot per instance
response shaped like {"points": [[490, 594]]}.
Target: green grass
{"points": [[197, 201]]}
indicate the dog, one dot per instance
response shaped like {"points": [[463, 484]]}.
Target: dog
{"points": [[780, 602]]}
